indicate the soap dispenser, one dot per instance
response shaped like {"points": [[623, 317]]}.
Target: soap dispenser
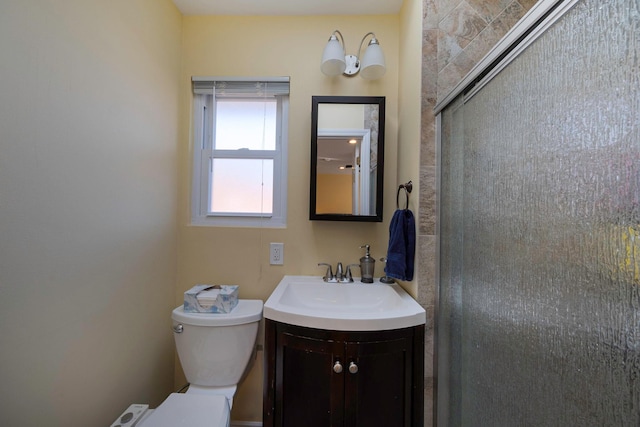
{"points": [[367, 266]]}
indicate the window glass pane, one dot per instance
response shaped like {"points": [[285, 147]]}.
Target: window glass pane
{"points": [[245, 123], [242, 186]]}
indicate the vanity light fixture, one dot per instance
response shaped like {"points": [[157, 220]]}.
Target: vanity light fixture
{"points": [[336, 62], [353, 141]]}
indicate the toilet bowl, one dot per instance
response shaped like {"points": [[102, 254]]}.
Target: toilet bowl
{"points": [[215, 352]]}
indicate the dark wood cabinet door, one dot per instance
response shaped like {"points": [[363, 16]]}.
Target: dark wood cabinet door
{"points": [[378, 392], [383, 388], [312, 393]]}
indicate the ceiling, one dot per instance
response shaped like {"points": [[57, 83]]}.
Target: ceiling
{"points": [[334, 152], [288, 7]]}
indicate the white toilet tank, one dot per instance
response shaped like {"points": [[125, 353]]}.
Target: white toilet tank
{"points": [[215, 349]]}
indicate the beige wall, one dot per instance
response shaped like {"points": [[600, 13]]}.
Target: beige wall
{"points": [[334, 193], [280, 46], [335, 116], [409, 98], [88, 189]]}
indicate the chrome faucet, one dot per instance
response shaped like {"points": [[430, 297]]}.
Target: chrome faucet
{"points": [[340, 276], [339, 273]]}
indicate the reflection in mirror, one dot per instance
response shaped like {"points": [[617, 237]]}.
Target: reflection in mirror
{"points": [[347, 152]]}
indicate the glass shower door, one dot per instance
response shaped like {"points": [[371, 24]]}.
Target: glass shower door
{"points": [[539, 315]]}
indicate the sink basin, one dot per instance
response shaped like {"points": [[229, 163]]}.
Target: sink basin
{"points": [[311, 302]]}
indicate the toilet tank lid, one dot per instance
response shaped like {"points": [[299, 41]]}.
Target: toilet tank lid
{"points": [[190, 410], [247, 311]]}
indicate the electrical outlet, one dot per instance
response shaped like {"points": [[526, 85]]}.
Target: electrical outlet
{"points": [[276, 253]]}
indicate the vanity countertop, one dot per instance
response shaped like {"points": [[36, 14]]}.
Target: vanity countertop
{"points": [[309, 301]]}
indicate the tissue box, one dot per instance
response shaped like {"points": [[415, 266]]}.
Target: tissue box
{"points": [[211, 299]]}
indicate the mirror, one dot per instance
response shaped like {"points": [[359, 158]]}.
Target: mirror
{"points": [[347, 158]]}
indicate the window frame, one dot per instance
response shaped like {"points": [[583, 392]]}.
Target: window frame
{"points": [[204, 153]]}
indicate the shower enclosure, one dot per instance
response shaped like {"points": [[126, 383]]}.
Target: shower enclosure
{"points": [[539, 300]]}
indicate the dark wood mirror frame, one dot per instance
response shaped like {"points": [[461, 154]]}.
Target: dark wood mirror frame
{"points": [[316, 102]]}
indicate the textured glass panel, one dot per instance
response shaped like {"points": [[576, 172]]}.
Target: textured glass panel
{"points": [[540, 233]]}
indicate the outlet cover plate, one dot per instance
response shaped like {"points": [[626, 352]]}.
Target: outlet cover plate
{"points": [[276, 253]]}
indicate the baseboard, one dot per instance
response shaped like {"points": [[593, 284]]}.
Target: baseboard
{"points": [[246, 423]]}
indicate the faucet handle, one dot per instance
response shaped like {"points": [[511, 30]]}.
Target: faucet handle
{"points": [[328, 276], [348, 277]]}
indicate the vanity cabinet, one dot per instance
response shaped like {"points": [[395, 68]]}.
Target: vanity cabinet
{"points": [[324, 378]]}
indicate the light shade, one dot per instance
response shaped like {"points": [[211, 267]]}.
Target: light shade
{"points": [[333, 62], [372, 65]]}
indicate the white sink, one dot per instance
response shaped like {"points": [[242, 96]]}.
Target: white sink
{"points": [[311, 302]]}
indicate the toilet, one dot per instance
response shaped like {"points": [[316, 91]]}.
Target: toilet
{"points": [[215, 352]]}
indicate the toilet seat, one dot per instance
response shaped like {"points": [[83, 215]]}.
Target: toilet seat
{"points": [[191, 410]]}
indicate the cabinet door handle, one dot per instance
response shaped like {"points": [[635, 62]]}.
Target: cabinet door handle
{"points": [[353, 368], [337, 367]]}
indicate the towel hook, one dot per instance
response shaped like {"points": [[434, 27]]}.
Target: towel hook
{"points": [[407, 189]]}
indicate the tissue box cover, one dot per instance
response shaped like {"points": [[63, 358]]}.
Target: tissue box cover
{"points": [[211, 299]]}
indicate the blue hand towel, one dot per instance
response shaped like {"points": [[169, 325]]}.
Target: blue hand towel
{"points": [[402, 245]]}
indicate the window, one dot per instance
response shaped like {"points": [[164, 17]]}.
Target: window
{"points": [[240, 147]]}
